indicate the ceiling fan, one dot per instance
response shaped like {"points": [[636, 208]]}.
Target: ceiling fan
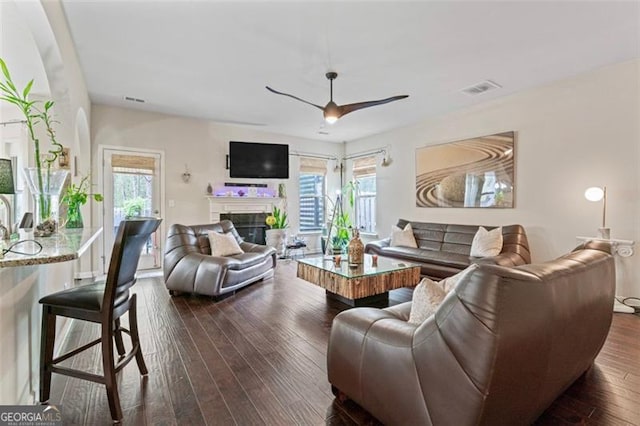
{"points": [[333, 111]]}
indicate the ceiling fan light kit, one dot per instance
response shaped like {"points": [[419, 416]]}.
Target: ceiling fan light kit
{"points": [[332, 111]]}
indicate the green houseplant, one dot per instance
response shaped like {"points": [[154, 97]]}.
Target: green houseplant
{"points": [[277, 219], [134, 207], [341, 223], [44, 181], [75, 197]]}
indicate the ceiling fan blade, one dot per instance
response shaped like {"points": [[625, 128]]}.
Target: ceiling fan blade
{"points": [[346, 109], [294, 97]]}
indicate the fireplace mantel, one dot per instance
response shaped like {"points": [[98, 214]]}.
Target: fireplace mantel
{"points": [[218, 205]]}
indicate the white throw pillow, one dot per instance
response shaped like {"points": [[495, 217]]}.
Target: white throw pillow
{"points": [[449, 283], [403, 237], [223, 244], [427, 296], [487, 243]]}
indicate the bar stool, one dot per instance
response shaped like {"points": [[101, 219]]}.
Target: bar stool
{"points": [[102, 303]]}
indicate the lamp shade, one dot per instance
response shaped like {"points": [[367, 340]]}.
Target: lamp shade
{"points": [[6, 177], [595, 193]]}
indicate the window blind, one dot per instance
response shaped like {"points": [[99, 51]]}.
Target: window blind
{"points": [[133, 164], [364, 166], [313, 165]]}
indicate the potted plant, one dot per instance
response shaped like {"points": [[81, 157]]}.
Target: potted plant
{"points": [[340, 239], [134, 207], [44, 181], [75, 197], [276, 234], [341, 225]]}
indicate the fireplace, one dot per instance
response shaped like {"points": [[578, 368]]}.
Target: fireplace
{"points": [[250, 226]]}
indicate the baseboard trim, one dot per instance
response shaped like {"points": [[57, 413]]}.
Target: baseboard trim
{"points": [[85, 275]]}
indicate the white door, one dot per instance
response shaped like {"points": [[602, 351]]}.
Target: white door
{"points": [[131, 188]]}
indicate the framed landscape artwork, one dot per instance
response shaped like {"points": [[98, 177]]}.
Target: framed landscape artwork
{"points": [[475, 172]]}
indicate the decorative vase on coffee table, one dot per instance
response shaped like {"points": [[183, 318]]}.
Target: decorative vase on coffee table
{"points": [[355, 250], [45, 186]]}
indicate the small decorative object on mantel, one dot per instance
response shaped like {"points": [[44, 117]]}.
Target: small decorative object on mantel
{"points": [[355, 250], [209, 189]]}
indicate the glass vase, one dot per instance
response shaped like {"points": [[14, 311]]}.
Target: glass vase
{"points": [[45, 186], [74, 216]]}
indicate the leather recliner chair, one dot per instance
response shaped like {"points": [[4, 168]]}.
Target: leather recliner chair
{"points": [[189, 266], [502, 346]]}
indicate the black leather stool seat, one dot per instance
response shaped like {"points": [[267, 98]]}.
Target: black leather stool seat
{"points": [[87, 297]]}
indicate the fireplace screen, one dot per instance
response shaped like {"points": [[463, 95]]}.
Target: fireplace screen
{"points": [[250, 226]]}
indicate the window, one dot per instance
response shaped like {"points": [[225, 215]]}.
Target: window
{"points": [[364, 174], [312, 193]]}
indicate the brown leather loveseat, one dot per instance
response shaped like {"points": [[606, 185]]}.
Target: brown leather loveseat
{"points": [[443, 249], [189, 266], [502, 346]]}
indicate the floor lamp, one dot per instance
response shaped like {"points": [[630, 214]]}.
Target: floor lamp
{"points": [[596, 193], [328, 250]]}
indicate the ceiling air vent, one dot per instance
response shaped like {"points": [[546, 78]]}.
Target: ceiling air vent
{"points": [[130, 99], [481, 87]]}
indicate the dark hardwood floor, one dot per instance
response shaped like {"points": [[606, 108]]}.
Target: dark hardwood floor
{"points": [[259, 358]]}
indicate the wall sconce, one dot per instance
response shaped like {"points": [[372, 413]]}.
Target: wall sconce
{"points": [[337, 167], [6, 187], [386, 160], [594, 194], [186, 176]]}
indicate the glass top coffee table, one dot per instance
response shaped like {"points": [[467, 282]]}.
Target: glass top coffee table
{"points": [[366, 285]]}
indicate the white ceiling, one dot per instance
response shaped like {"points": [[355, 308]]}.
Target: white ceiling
{"points": [[212, 59]]}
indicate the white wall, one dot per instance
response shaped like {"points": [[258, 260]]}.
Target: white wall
{"points": [[570, 135], [50, 38], [203, 146]]}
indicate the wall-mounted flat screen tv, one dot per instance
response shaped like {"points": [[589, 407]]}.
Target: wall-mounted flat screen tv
{"points": [[258, 160]]}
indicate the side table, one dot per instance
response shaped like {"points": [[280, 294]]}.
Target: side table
{"points": [[622, 248]]}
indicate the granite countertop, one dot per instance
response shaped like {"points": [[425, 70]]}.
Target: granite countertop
{"points": [[64, 245]]}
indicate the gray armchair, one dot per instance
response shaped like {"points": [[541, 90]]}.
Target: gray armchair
{"points": [[190, 268]]}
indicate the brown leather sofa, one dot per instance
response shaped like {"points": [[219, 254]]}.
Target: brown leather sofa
{"points": [[443, 249], [189, 266], [502, 346]]}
